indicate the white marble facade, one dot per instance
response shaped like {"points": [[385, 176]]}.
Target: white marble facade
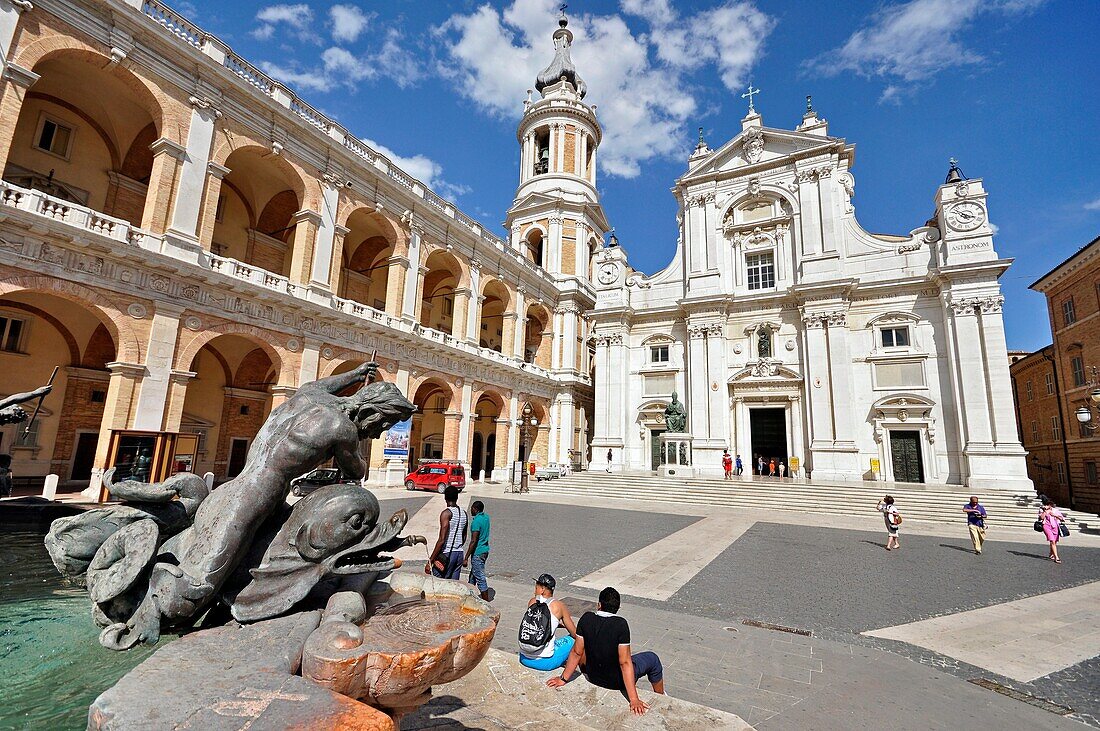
{"points": [[789, 330]]}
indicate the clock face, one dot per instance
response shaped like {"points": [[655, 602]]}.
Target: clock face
{"points": [[966, 216], [608, 273]]}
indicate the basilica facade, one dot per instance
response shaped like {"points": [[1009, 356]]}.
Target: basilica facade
{"points": [[793, 335]]}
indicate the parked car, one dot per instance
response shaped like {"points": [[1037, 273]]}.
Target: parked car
{"points": [[436, 476], [320, 477], [549, 472]]}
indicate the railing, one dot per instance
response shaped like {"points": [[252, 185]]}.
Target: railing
{"points": [[401, 177], [249, 73], [310, 114], [173, 23], [435, 200], [357, 147], [253, 274], [68, 212]]}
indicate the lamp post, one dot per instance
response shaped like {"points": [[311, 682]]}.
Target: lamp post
{"points": [[525, 422]]}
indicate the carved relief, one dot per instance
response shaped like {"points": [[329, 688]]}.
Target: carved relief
{"points": [[752, 148]]}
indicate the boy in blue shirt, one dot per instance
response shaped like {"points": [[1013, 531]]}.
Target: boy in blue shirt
{"points": [[975, 521], [478, 551]]}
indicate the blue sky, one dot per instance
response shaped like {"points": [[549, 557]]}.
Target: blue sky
{"points": [[1009, 87]]}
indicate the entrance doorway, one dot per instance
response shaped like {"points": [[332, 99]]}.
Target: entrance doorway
{"points": [[769, 434], [84, 456], [655, 448], [238, 452], [475, 466], [905, 456]]}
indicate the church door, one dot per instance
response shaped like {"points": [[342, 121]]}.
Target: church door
{"points": [[475, 467], [905, 454], [769, 434], [655, 448]]}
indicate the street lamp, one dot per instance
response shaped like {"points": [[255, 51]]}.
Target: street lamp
{"points": [[525, 422], [1084, 415]]}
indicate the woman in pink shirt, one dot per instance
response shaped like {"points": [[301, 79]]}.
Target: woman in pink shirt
{"points": [[1052, 519]]}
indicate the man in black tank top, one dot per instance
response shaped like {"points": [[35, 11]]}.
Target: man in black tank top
{"points": [[446, 558], [602, 652]]}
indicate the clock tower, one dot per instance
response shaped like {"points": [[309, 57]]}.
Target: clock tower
{"points": [[963, 220]]}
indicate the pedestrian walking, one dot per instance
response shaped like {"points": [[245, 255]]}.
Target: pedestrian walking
{"points": [[760, 464], [446, 558], [771, 467], [892, 517], [727, 464], [782, 470], [477, 553], [1053, 527], [609, 455], [975, 521], [738, 467]]}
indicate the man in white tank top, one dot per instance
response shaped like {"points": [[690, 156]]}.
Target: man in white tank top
{"points": [[446, 558]]}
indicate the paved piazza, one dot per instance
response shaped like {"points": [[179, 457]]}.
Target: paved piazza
{"points": [[895, 636]]}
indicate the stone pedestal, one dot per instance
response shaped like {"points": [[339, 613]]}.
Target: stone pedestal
{"points": [[395, 471], [676, 457]]}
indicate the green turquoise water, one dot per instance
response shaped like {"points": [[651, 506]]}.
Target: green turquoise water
{"points": [[51, 664]]}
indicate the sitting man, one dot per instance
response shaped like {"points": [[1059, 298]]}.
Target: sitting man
{"points": [[537, 647], [602, 652]]}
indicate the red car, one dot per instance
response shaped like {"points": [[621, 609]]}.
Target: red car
{"points": [[436, 476]]}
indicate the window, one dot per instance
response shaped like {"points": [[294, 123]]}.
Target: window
{"points": [[658, 354], [761, 270], [1090, 473], [98, 396], [219, 211], [27, 435], [1030, 393], [1069, 315], [1055, 429], [448, 306], [1050, 384], [1061, 473], [54, 137], [542, 152], [895, 337], [11, 333], [1035, 438], [1078, 367]]}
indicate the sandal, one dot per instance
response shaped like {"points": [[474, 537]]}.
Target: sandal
{"points": [[1057, 560]]}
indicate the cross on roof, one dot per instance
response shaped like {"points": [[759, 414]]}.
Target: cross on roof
{"points": [[749, 95], [562, 9]]}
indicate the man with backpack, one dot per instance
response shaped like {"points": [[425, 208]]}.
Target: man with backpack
{"points": [[602, 652], [538, 649]]}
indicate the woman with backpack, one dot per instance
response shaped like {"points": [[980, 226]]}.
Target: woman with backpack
{"points": [[1053, 527], [892, 517], [538, 649]]}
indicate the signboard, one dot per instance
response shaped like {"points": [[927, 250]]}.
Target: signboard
{"points": [[794, 464], [395, 442], [876, 466]]}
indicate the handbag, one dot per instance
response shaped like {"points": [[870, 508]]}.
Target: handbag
{"points": [[1038, 526], [1063, 530]]}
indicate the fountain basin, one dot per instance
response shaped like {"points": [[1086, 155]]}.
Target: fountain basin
{"points": [[408, 635]]}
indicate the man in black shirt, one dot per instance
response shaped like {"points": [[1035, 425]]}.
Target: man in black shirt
{"points": [[602, 652]]}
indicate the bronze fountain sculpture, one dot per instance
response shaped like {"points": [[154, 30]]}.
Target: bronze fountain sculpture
{"points": [[175, 555]]}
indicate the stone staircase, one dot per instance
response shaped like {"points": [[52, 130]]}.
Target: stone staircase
{"points": [[934, 503]]}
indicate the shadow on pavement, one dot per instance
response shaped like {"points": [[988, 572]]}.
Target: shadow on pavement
{"points": [[1030, 555]]}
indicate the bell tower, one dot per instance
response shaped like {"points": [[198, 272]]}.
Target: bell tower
{"points": [[556, 220]]}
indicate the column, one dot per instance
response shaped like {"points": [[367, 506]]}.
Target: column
{"points": [[18, 78], [557, 341], [464, 424], [551, 253], [117, 414], [168, 158], [310, 367], [569, 339], [460, 313], [798, 444], [840, 371], [10, 10], [698, 421], [473, 316], [320, 270], [214, 175], [452, 424], [810, 209], [995, 350], [602, 388], [508, 334], [160, 355], [973, 394], [307, 224], [742, 443], [414, 278], [505, 454], [818, 385], [177, 396], [558, 150], [718, 397], [553, 416], [396, 275], [513, 430], [520, 335], [336, 266], [618, 364], [189, 196], [565, 428]]}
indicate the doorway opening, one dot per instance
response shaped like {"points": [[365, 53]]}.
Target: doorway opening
{"points": [[238, 452], [84, 456], [769, 434], [655, 448], [905, 456]]}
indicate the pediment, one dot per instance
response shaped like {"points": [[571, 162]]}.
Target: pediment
{"points": [[757, 146], [767, 370]]}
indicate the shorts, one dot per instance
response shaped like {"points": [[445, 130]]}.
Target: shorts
{"points": [[562, 647], [892, 530]]}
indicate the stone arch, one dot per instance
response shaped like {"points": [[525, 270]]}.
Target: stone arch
{"points": [[139, 158], [458, 268], [295, 175], [440, 381], [335, 365], [767, 191], [129, 348], [510, 294], [66, 335], [192, 342]]}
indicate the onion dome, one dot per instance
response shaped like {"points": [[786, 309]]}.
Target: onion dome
{"points": [[562, 65]]}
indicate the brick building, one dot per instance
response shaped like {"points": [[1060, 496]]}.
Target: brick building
{"points": [[1041, 425], [1072, 290], [189, 241]]}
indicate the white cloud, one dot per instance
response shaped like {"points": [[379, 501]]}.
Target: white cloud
{"points": [[348, 22], [1093, 205], [424, 169], [911, 42], [396, 60], [636, 80], [339, 67], [297, 17]]}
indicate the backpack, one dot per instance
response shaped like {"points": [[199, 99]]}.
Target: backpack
{"points": [[534, 629], [897, 518]]}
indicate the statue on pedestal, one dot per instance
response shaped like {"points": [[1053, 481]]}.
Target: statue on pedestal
{"points": [[675, 415]]}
